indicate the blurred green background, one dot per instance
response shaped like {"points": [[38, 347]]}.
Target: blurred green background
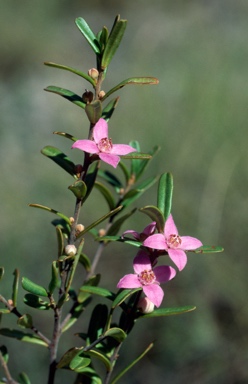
{"points": [[198, 114]]}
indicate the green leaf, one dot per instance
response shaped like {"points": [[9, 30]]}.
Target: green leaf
{"points": [[34, 301], [100, 356], [168, 311], [120, 239], [208, 249], [109, 109], [132, 80], [25, 321], [111, 179], [68, 95], [22, 336], [90, 181], [4, 353], [92, 281], [85, 261], [67, 135], [135, 193], [135, 163], [98, 291], [59, 158], [15, 287], [4, 311], [156, 215], [55, 279], [116, 225], [113, 42], [23, 378], [1, 272], [137, 155], [109, 214], [75, 313], [98, 321], [88, 34], [79, 73], [102, 37], [106, 194], [68, 357], [52, 211], [60, 239], [144, 163], [150, 346], [125, 171], [89, 375], [94, 111], [165, 191], [79, 189], [33, 288], [117, 333], [122, 296], [79, 363]]}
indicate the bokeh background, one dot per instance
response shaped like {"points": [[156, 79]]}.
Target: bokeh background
{"points": [[198, 114]]}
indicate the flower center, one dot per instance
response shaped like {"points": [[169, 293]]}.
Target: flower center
{"points": [[105, 145], [174, 241], [147, 277]]}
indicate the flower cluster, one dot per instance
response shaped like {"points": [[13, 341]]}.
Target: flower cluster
{"points": [[148, 276]]}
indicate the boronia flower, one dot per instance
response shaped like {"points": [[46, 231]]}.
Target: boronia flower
{"points": [[102, 145], [148, 278], [141, 236], [174, 244]]}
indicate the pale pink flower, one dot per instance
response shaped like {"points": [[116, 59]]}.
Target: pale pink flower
{"points": [[148, 278], [141, 236], [102, 145], [174, 244]]}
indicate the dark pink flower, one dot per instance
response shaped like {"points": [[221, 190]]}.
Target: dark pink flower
{"points": [[102, 145], [174, 244], [148, 278], [141, 236]]}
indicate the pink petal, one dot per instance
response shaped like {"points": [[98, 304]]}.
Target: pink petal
{"points": [[149, 229], [156, 241], [170, 228], [164, 273], [122, 149], [109, 159], [86, 146], [100, 130], [178, 257], [190, 243], [141, 262], [154, 293], [129, 281], [135, 234]]}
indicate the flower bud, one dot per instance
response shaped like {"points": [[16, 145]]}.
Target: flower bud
{"points": [[70, 249], [79, 228], [102, 232], [71, 220], [145, 305], [93, 73], [87, 96], [101, 94]]}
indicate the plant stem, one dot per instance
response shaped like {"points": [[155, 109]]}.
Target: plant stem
{"points": [[6, 370]]}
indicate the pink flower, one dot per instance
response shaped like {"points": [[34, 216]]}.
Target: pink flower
{"points": [[148, 278], [148, 231], [102, 145], [174, 244]]}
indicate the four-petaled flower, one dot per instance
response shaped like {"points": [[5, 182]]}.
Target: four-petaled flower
{"points": [[148, 278], [147, 231], [102, 145], [174, 244]]}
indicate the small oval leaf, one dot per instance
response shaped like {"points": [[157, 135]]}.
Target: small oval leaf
{"points": [[59, 158], [94, 111], [68, 95], [79, 73], [79, 189], [25, 321], [88, 34], [117, 333], [33, 288], [156, 215], [165, 191], [34, 301]]}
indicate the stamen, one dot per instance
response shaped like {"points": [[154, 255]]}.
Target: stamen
{"points": [[147, 277], [105, 145], [174, 241]]}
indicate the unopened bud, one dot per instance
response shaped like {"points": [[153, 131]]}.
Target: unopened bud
{"points": [[87, 96], [93, 73], [71, 220], [101, 94], [70, 249], [79, 228], [145, 305], [102, 232]]}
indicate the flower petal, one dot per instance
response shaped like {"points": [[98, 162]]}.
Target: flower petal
{"points": [[156, 241], [122, 149], [135, 234], [109, 159], [178, 257], [141, 262], [149, 229], [100, 130], [170, 227], [129, 281], [164, 273], [86, 146], [190, 243], [154, 293]]}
